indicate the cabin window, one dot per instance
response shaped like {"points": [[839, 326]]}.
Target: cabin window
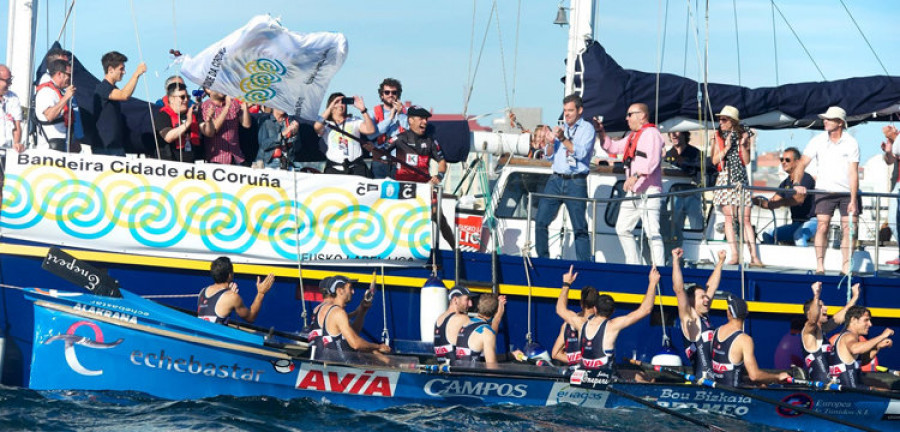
{"points": [[514, 201]]}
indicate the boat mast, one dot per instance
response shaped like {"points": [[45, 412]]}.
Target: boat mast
{"points": [[580, 34], [21, 24]]}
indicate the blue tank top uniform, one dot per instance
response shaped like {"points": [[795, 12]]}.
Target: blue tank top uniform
{"points": [[819, 361], [847, 374], [699, 352], [724, 371], [206, 306], [593, 356], [443, 349], [573, 345], [314, 332], [334, 346], [464, 354]]}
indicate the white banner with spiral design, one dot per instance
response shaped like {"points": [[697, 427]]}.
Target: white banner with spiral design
{"points": [[173, 209], [264, 63]]}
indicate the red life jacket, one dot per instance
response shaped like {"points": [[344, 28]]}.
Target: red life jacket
{"points": [[66, 115], [176, 120], [379, 117], [631, 147], [720, 145], [407, 153]]}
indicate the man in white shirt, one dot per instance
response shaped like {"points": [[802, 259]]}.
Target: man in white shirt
{"points": [[51, 106], [891, 149], [10, 113], [837, 156]]}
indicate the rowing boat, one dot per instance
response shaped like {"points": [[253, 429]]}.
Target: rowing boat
{"points": [[129, 343]]}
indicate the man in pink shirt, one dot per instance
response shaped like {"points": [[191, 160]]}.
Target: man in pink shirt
{"points": [[642, 151]]}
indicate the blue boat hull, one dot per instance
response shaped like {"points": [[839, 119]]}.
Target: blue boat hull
{"points": [[84, 342]]}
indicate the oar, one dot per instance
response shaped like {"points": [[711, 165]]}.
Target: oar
{"points": [[663, 409], [839, 387], [712, 384], [888, 370], [551, 373]]}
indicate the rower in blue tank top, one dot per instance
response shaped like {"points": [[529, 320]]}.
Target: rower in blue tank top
{"points": [[818, 352], [478, 339], [850, 351], [693, 311], [732, 350], [567, 348], [216, 302]]}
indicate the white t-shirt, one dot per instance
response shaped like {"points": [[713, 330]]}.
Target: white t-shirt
{"points": [[833, 160], [44, 99], [10, 113], [340, 146]]}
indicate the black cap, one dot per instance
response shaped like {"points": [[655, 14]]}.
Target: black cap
{"points": [[335, 282], [325, 283], [417, 111], [738, 307], [458, 290]]}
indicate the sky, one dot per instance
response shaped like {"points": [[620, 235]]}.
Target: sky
{"points": [[433, 47]]}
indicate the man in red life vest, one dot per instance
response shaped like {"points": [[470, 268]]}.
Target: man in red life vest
{"points": [[178, 126], [390, 121], [642, 150], [52, 106]]}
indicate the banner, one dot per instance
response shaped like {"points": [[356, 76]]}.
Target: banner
{"points": [[264, 63], [173, 209]]}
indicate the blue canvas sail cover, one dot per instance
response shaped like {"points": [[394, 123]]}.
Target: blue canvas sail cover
{"points": [[609, 89]]}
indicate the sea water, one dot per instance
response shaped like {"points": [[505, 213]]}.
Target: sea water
{"points": [[27, 410]]}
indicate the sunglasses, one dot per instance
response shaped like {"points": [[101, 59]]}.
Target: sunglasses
{"points": [[183, 96], [390, 92], [786, 160], [7, 80], [632, 113]]}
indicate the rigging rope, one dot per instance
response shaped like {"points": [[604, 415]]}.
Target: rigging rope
{"points": [[471, 52], [137, 36], [737, 39], [65, 22], [662, 21], [385, 336], [174, 27], [867, 44], [71, 125], [799, 41], [516, 52], [502, 59], [526, 261], [774, 42], [478, 62], [303, 314]]}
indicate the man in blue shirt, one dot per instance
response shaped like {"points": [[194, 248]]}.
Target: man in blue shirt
{"points": [[390, 120], [570, 149]]}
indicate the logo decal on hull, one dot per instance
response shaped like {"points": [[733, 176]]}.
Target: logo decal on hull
{"points": [[71, 339]]}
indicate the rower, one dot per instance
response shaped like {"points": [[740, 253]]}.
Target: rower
{"points": [[848, 348], [448, 324], [732, 350], [693, 310], [339, 337], [216, 302], [478, 338], [567, 348], [358, 316], [819, 352], [597, 334]]}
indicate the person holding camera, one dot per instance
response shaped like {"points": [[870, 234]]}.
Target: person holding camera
{"points": [[341, 133]]}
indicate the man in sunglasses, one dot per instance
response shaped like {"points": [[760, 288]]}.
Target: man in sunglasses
{"points": [[390, 120], [10, 113], [52, 110], [803, 216], [177, 125]]}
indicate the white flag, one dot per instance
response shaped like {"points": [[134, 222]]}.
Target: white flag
{"points": [[266, 64]]}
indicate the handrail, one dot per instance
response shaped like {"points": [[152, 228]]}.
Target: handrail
{"points": [[787, 192]]}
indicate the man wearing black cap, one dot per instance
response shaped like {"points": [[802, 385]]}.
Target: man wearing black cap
{"points": [[448, 324], [732, 350], [338, 335], [216, 302], [415, 149]]}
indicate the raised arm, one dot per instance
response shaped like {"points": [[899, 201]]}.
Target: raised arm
{"points": [[684, 308], [643, 310], [501, 309], [126, 91], [865, 347], [854, 297], [562, 302], [367, 127], [753, 371], [712, 284], [262, 287], [815, 309]]}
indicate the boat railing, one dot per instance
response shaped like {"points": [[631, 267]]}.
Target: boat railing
{"points": [[738, 189]]}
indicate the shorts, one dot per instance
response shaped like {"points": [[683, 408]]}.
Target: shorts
{"points": [[826, 204]]}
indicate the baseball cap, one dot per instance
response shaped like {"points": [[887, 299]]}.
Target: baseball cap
{"points": [[417, 111], [334, 282], [737, 307], [458, 290]]}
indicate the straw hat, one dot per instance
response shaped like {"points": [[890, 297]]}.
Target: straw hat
{"points": [[834, 113], [730, 112]]}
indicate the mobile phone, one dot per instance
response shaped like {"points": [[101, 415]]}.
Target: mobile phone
{"points": [[599, 119], [348, 100]]}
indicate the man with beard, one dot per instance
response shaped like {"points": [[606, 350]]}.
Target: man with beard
{"points": [[850, 351], [390, 121], [693, 310], [339, 338], [177, 126], [818, 352]]}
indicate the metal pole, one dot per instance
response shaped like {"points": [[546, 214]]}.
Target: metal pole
{"points": [[527, 227], [593, 229], [456, 248], [877, 229]]}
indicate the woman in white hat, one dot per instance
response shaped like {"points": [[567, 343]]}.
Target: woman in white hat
{"points": [[730, 153]]}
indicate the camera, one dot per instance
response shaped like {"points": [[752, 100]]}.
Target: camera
{"points": [[348, 100]]}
